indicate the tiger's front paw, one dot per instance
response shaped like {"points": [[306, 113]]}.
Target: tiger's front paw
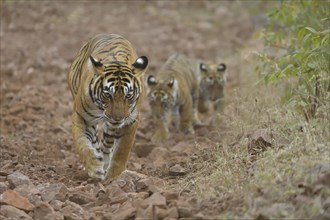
{"points": [[114, 171], [187, 129], [197, 122], [159, 137], [95, 166]]}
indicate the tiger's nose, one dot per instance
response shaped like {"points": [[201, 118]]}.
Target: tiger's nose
{"points": [[118, 118]]}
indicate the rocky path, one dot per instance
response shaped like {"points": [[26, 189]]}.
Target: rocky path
{"points": [[40, 174]]}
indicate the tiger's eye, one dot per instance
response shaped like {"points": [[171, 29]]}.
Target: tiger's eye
{"points": [[129, 95], [107, 95]]}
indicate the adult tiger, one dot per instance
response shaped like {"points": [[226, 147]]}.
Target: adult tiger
{"points": [[105, 81], [214, 78], [173, 95]]}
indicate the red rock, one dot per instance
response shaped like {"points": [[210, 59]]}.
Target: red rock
{"points": [[135, 166], [200, 216], [170, 195], [157, 182], [125, 212], [154, 189], [169, 218], [184, 212], [50, 191], [182, 148], [3, 187], [156, 199], [177, 170], [128, 186], [129, 175], [184, 209], [144, 213], [56, 204], [30, 192], [81, 198], [16, 179], [143, 150], [4, 178], [160, 213], [26, 190], [99, 208], [116, 195], [114, 207], [41, 210], [143, 184], [72, 211], [153, 185], [54, 216], [11, 212], [158, 152], [142, 195], [10, 197], [173, 213]]}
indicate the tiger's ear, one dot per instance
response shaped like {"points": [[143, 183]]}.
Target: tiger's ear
{"points": [[95, 65], [140, 65], [151, 80], [221, 67], [202, 67], [171, 82]]}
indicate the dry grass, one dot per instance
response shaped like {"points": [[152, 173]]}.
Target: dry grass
{"points": [[282, 181]]}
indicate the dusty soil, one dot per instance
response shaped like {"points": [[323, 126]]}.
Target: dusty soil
{"points": [[38, 43]]}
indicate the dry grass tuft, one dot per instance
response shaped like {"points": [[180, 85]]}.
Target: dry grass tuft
{"points": [[285, 180]]}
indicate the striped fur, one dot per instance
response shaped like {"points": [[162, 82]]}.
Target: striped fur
{"points": [[173, 95], [214, 77], [105, 82]]}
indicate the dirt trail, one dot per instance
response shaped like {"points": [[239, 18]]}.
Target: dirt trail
{"points": [[38, 43]]}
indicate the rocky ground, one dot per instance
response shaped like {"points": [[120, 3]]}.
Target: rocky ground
{"points": [[40, 174]]}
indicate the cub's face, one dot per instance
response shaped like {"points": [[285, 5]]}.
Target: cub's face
{"points": [[161, 95], [213, 80]]}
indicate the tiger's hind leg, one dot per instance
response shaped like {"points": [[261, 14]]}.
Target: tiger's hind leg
{"points": [[218, 111], [186, 117], [195, 100]]}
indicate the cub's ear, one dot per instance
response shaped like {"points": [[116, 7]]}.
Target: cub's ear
{"points": [[151, 80], [95, 65], [221, 67], [171, 82], [202, 67]]}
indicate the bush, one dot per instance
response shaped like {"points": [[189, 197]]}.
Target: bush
{"points": [[300, 30]]}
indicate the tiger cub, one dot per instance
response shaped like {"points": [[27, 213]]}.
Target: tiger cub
{"points": [[106, 82], [212, 85], [173, 95]]}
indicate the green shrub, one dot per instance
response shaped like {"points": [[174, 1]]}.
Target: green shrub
{"points": [[299, 31]]}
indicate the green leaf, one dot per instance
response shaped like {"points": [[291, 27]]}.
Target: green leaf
{"points": [[312, 65], [311, 30], [307, 36], [325, 19], [324, 39], [327, 31]]}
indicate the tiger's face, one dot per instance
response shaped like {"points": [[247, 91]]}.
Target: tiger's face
{"points": [[117, 89], [161, 95], [213, 80]]}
